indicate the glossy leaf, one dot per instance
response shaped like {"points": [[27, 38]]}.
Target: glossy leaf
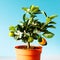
{"points": [[52, 22], [53, 16], [48, 34], [24, 17], [12, 28], [35, 36], [48, 20], [51, 26], [32, 7], [25, 9], [44, 13], [24, 38], [19, 27], [39, 39]]}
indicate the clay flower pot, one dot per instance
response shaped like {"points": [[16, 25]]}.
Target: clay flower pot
{"points": [[28, 54]]}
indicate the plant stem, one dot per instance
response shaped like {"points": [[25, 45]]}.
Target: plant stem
{"points": [[28, 46]]}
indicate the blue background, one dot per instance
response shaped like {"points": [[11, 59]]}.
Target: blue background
{"points": [[11, 13]]}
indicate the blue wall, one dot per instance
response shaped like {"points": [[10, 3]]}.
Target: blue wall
{"points": [[11, 13]]}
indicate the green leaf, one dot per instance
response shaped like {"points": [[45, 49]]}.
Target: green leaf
{"points": [[44, 13], [35, 36], [39, 39], [51, 26], [49, 19], [32, 7], [12, 28], [33, 15], [24, 17], [24, 38], [53, 16], [48, 34], [35, 9], [19, 27], [24, 8], [37, 12], [52, 22]]}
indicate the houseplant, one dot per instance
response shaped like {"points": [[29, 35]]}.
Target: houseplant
{"points": [[31, 29]]}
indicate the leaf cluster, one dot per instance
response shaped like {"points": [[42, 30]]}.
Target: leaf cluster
{"points": [[32, 27]]}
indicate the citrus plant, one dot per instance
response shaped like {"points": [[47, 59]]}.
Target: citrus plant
{"points": [[31, 28]]}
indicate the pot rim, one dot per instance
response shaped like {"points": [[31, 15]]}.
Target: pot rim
{"points": [[34, 52], [18, 47]]}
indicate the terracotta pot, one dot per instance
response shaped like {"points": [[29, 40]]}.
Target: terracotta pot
{"points": [[28, 54]]}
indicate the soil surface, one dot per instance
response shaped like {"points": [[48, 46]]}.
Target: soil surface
{"points": [[25, 47]]}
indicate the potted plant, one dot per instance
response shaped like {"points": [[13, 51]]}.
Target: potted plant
{"points": [[31, 29]]}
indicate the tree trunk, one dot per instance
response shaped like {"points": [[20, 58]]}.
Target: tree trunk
{"points": [[28, 46]]}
